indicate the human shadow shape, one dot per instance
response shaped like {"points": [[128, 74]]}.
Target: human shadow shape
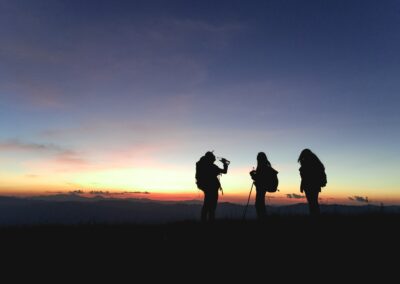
{"points": [[313, 177], [207, 180], [265, 180]]}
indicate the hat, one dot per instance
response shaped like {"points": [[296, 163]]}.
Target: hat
{"points": [[209, 155]]}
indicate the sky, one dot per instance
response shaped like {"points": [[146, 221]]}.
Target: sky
{"points": [[125, 96]]}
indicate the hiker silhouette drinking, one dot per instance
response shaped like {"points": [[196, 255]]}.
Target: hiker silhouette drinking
{"points": [[265, 179], [313, 177], [207, 180]]}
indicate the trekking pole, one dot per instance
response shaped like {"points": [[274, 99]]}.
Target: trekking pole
{"points": [[248, 200], [220, 187]]}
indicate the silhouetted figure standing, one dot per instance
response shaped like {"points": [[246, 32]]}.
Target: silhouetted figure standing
{"points": [[313, 177], [264, 179], [207, 180]]}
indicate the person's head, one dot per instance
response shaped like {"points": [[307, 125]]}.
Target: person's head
{"points": [[304, 155], [210, 157], [307, 156], [262, 159]]}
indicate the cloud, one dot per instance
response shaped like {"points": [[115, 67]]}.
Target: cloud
{"points": [[76, 192], [100, 155], [359, 199], [50, 156], [97, 192], [101, 192], [120, 145], [294, 196], [70, 158], [105, 192], [62, 155], [19, 146]]}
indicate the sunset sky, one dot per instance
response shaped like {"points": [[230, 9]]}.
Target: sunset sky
{"points": [[126, 96]]}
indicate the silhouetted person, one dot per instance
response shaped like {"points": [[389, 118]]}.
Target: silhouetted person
{"points": [[263, 178], [313, 177], [207, 180]]}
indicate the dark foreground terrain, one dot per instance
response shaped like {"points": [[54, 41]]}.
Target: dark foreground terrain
{"points": [[364, 244]]}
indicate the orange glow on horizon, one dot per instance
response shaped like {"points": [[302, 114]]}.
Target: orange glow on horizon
{"points": [[279, 198]]}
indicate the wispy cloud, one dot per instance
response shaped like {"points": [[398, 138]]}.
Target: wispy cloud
{"points": [[101, 192], [360, 199], [61, 155], [106, 192], [76, 192], [294, 196], [19, 146], [123, 144], [70, 158], [50, 156]]}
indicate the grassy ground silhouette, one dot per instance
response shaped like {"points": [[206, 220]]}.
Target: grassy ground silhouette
{"points": [[332, 229], [332, 243]]}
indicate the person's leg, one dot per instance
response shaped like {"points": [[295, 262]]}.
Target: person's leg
{"points": [[312, 199], [260, 204], [309, 201], [212, 204], [204, 209], [316, 204]]}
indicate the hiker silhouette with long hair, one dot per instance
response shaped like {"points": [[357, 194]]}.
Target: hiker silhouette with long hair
{"points": [[264, 179], [313, 177], [207, 180]]}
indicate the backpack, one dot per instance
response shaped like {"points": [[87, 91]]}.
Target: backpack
{"points": [[273, 181], [200, 179], [324, 180]]}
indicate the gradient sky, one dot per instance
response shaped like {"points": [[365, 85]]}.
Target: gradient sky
{"points": [[127, 95]]}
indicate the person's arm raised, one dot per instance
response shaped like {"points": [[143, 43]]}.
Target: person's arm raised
{"points": [[225, 170]]}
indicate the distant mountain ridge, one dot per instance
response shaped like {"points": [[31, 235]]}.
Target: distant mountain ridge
{"points": [[76, 209]]}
